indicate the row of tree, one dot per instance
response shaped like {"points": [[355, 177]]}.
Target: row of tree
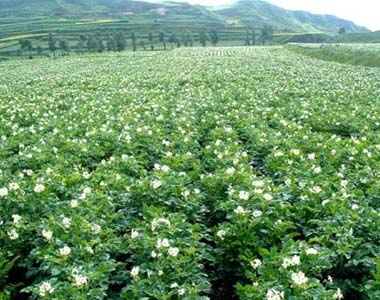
{"points": [[117, 41]]}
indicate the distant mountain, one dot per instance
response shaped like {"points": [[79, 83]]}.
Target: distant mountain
{"points": [[68, 8], [257, 13]]}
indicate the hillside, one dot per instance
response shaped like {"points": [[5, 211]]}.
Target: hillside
{"points": [[358, 37], [96, 8], [257, 13]]}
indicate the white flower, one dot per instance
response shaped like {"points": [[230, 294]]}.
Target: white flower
{"points": [[13, 186], [158, 221], [344, 183], [317, 170], [255, 264], [74, 203], [174, 285], [45, 289], [258, 183], [47, 234], [80, 280], [338, 295], [155, 184], [257, 213], [299, 278], [239, 210], [268, 197], [16, 218], [278, 154], [66, 222], [96, 228], [134, 234], [355, 207], [221, 234], [3, 192], [165, 169], [87, 190], [273, 294], [295, 152], [163, 243], [13, 235], [186, 193], [65, 250], [181, 292], [135, 272], [311, 156], [243, 195], [311, 251], [230, 171], [316, 189], [173, 252], [39, 188], [294, 261]]}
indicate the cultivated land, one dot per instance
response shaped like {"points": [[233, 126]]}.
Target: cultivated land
{"points": [[204, 173]]}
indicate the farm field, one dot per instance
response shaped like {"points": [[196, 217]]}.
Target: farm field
{"points": [[367, 55], [193, 174]]}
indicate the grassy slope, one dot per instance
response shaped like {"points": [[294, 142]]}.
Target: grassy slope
{"points": [[359, 56], [362, 37]]}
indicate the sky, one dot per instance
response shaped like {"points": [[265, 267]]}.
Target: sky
{"points": [[362, 12]]}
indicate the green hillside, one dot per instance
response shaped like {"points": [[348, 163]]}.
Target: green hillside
{"points": [[358, 37], [257, 13], [69, 19]]}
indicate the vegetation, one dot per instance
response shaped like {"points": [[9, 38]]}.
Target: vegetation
{"points": [[68, 20], [363, 37], [254, 176], [363, 55]]}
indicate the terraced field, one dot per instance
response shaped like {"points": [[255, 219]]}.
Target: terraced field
{"points": [[226, 173]]}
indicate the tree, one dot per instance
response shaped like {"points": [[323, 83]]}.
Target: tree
{"points": [[92, 44], [52, 43], [39, 50], [189, 39], [150, 38], [25, 45], [172, 39], [247, 41], [64, 46], [162, 39], [142, 45], [121, 42], [82, 40], [203, 38], [134, 43], [99, 41], [111, 43], [342, 30], [253, 36], [266, 33], [214, 37]]}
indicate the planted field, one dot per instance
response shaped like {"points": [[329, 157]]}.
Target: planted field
{"points": [[367, 55], [227, 173]]}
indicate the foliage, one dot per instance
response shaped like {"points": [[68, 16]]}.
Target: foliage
{"points": [[254, 176]]}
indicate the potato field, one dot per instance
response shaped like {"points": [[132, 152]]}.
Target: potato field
{"points": [[193, 174]]}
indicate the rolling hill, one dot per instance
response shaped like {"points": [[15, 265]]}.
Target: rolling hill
{"points": [[257, 13], [254, 13], [69, 19]]}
